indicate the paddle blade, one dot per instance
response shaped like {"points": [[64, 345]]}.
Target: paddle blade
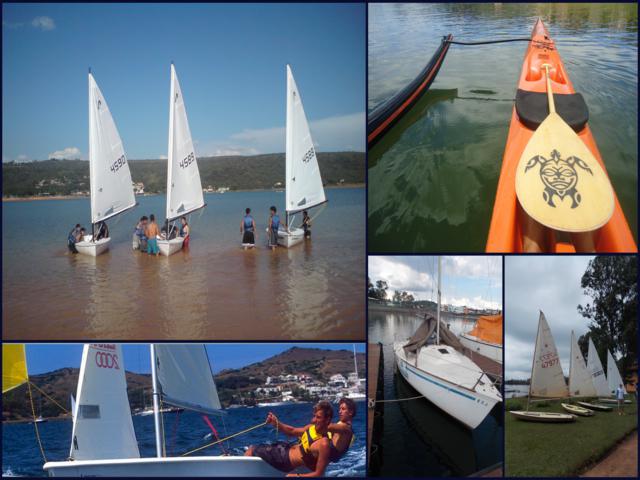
{"points": [[559, 182]]}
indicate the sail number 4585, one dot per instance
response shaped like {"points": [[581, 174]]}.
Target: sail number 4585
{"points": [[188, 160], [118, 164]]}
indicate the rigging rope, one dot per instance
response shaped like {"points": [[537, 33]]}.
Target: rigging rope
{"points": [[224, 439], [372, 402], [43, 393], [35, 424]]}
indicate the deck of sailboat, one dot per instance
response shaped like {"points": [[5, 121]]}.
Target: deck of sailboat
{"points": [[491, 368]]}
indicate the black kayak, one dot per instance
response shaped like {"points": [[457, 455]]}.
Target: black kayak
{"points": [[387, 114]]}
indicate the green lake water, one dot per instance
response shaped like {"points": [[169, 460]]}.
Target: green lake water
{"points": [[432, 178]]}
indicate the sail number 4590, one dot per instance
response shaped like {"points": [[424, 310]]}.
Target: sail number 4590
{"points": [[188, 160], [118, 164]]}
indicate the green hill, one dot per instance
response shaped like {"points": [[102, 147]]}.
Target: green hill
{"points": [[63, 177]]}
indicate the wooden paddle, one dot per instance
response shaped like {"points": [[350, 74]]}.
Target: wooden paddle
{"points": [[559, 183]]}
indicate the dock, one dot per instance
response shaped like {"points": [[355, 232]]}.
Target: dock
{"points": [[492, 368], [373, 364]]}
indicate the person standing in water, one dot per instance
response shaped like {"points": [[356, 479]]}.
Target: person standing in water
{"points": [[274, 223], [73, 238], [151, 232], [248, 229], [306, 224], [184, 231]]}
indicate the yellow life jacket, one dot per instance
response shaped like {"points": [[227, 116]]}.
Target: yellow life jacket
{"points": [[309, 436]]}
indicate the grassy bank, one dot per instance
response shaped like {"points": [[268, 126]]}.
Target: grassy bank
{"points": [[563, 449]]}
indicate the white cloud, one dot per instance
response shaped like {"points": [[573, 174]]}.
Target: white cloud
{"points": [[69, 153], [162, 157], [338, 133], [20, 158], [43, 23]]}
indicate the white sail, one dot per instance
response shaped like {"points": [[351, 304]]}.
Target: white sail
{"points": [[102, 425], [185, 378], [547, 379], [580, 384], [303, 182], [184, 189], [111, 187], [73, 407], [613, 374], [596, 371]]}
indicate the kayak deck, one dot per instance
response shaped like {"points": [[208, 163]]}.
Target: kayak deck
{"points": [[505, 230]]}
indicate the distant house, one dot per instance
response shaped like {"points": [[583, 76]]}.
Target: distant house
{"points": [[138, 188]]}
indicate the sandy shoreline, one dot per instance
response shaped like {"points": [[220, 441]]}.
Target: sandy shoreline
{"points": [[70, 197]]}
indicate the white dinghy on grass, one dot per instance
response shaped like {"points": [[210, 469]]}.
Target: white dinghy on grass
{"points": [[304, 188], [109, 174], [445, 376], [103, 440], [184, 189], [547, 379]]}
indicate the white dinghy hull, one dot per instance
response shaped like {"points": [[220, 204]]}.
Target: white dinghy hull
{"points": [[543, 417], [290, 238], [165, 467], [612, 400], [468, 405], [169, 247], [93, 249], [492, 351]]}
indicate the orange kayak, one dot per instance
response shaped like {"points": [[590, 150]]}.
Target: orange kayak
{"points": [[529, 111]]}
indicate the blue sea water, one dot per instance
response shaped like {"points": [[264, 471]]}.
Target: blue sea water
{"points": [[183, 432]]}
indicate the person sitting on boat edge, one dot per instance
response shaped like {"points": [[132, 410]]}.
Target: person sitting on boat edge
{"points": [[101, 230], [139, 238], [306, 224], [273, 226], [184, 231], [73, 238], [151, 233], [248, 229]]}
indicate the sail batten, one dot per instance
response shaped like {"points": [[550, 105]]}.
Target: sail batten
{"points": [[184, 188], [547, 379], [596, 371], [109, 174], [304, 187], [185, 378], [580, 383]]}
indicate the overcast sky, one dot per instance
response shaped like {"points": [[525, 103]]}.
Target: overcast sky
{"points": [[472, 281], [550, 284]]}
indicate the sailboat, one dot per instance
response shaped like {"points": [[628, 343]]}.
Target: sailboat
{"points": [[354, 392], [486, 337], [184, 189], [580, 383], [109, 174], [103, 441], [596, 371], [547, 379], [303, 185], [446, 377]]}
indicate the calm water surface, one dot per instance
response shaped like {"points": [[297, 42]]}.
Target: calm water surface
{"points": [[215, 291], [432, 179], [21, 456], [419, 439]]}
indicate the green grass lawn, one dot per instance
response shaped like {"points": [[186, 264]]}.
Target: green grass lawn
{"points": [[562, 449]]}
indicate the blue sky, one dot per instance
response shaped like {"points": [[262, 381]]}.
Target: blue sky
{"points": [[42, 358], [472, 281], [230, 61]]}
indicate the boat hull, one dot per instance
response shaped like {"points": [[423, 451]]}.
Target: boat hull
{"points": [[543, 417], [486, 349], [585, 412], [165, 467], [169, 247], [290, 238], [93, 249], [612, 400], [504, 232], [465, 405], [593, 406]]}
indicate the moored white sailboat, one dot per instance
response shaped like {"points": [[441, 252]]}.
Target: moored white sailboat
{"points": [[304, 188], [184, 189], [109, 174], [446, 377], [103, 440], [485, 338]]}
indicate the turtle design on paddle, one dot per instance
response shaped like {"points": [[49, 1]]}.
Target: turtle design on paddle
{"points": [[559, 176]]}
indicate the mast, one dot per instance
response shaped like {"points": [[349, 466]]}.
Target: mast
{"points": [[172, 100], [355, 364], [439, 298], [533, 362], [571, 363], [156, 402]]}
